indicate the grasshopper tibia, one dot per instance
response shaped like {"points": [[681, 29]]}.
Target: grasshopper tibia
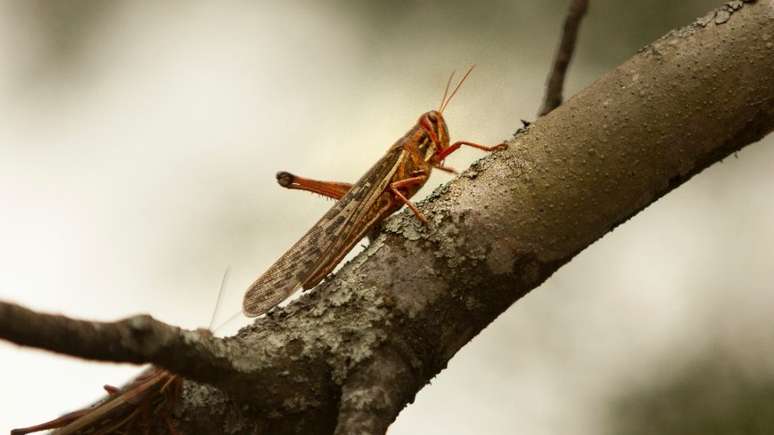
{"points": [[456, 145]]}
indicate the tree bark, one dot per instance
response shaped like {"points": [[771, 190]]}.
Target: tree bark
{"points": [[349, 355]]}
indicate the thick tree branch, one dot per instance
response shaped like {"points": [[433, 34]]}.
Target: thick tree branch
{"points": [[348, 355], [563, 56]]}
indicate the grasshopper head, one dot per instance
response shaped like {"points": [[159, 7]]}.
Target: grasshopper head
{"points": [[434, 126]]}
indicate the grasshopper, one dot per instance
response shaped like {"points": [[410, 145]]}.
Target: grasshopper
{"points": [[384, 189]]}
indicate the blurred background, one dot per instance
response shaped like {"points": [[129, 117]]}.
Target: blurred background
{"points": [[139, 142]]}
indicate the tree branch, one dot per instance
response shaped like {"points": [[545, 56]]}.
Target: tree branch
{"points": [[348, 355], [375, 394], [563, 56], [138, 339]]}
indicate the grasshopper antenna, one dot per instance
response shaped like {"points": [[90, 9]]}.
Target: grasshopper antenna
{"points": [[457, 88], [446, 92], [229, 320], [223, 282]]}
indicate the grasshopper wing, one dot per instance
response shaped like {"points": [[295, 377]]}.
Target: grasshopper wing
{"points": [[319, 245]]}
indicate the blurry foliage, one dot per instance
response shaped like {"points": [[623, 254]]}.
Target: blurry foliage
{"points": [[612, 31], [64, 27], [714, 395]]}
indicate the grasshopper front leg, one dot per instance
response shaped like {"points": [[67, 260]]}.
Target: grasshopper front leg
{"points": [[440, 156], [330, 189]]}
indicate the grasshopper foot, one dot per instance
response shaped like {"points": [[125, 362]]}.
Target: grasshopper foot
{"points": [[285, 179]]}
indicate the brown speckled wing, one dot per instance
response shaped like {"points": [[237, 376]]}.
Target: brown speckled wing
{"points": [[320, 243]]}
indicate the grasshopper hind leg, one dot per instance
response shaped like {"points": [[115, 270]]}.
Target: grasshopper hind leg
{"points": [[329, 189]]}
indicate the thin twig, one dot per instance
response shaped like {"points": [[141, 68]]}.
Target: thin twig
{"points": [[555, 83]]}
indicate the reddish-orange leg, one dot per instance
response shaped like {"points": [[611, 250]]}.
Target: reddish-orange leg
{"points": [[419, 179], [336, 190], [111, 389], [446, 169], [426, 122], [330, 189], [456, 145]]}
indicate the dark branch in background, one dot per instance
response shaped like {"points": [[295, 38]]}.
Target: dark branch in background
{"points": [[349, 355], [138, 339], [563, 56]]}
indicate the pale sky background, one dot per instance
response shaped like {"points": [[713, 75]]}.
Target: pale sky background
{"points": [[139, 142]]}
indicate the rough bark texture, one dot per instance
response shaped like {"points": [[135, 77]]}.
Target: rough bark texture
{"points": [[348, 356]]}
